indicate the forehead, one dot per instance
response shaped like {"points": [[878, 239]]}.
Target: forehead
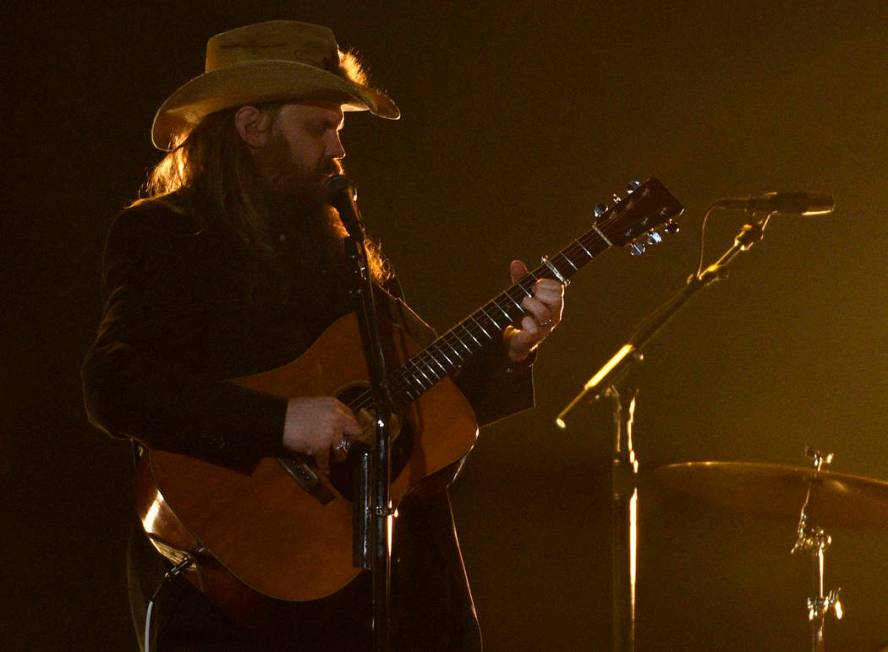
{"points": [[327, 112]]}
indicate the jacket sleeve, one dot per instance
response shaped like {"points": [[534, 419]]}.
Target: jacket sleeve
{"points": [[142, 377], [495, 386]]}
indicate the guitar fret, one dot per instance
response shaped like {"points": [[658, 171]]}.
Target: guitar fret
{"points": [[433, 375], [416, 380], [508, 316], [491, 319], [459, 339], [402, 385], [602, 236], [449, 361], [584, 249], [471, 335], [517, 305], [424, 357], [483, 330], [555, 271], [576, 252], [526, 291], [437, 362], [452, 348], [431, 382], [569, 261]]}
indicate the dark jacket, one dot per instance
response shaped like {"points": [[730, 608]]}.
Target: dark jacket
{"points": [[180, 321], [186, 309]]}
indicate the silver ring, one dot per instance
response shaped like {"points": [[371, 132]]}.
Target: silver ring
{"points": [[342, 446]]}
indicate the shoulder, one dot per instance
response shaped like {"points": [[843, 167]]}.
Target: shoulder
{"points": [[149, 234], [169, 214], [154, 226]]}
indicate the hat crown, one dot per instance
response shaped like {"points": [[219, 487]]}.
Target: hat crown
{"points": [[274, 61], [277, 40]]}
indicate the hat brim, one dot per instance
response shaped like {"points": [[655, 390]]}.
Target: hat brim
{"points": [[256, 82]]}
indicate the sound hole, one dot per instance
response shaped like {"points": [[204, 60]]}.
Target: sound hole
{"points": [[343, 475]]}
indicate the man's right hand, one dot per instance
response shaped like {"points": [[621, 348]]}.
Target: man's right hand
{"points": [[316, 424]]}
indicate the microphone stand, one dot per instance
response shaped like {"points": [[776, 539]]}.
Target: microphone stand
{"points": [[371, 544], [624, 475]]}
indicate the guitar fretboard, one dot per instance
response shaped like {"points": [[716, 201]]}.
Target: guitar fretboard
{"points": [[447, 353], [647, 207]]}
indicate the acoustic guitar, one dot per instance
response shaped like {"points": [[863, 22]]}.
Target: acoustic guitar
{"points": [[284, 530]]}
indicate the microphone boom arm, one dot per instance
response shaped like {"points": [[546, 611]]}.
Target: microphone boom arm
{"points": [[618, 366]]}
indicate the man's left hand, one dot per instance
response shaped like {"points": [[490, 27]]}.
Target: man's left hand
{"points": [[544, 310]]}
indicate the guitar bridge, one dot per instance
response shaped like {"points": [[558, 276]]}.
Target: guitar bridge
{"points": [[303, 474]]}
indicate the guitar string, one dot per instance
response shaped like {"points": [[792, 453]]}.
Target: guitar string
{"points": [[400, 379], [575, 251], [473, 325]]}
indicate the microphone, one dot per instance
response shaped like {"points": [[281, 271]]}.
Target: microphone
{"points": [[785, 203], [343, 196]]}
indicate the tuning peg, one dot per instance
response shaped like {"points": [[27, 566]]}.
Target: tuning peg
{"points": [[598, 210], [671, 227], [635, 184], [636, 248], [654, 238], [616, 198]]}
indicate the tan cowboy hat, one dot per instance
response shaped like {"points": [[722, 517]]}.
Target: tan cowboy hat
{"points": [[268, 62]]}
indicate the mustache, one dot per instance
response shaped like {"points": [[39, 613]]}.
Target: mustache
{"points": [[330, 166]]}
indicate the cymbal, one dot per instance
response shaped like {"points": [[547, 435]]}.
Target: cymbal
{"points": [[837, 499]]}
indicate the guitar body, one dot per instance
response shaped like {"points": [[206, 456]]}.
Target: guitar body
{"points": [[264, 528]]}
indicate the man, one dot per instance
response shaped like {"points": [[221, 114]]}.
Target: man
{"points": [[234, 265]]}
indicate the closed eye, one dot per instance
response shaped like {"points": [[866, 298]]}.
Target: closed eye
{"points": [[321, 127]]}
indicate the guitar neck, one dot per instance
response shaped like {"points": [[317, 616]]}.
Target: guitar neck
{"points": [[631, 221], [447, 353]]}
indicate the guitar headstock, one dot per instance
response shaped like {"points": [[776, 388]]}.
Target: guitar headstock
{"points": [[637, 219]]}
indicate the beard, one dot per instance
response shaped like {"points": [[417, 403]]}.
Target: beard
{"points": [[289, 185], [309, 229], [298, 210]]}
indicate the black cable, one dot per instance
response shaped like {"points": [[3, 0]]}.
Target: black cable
{"points": [[703, 238], [170, 574]]}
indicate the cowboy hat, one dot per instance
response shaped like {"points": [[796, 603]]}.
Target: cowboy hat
{"points": [[268, 62]]}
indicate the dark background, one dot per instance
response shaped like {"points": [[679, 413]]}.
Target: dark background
{"points": [[518, 117]]}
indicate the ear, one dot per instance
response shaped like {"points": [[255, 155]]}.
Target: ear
{"points": [[253, 126]]}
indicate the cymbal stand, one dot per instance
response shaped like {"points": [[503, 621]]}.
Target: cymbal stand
{"points": [[813, 539]]}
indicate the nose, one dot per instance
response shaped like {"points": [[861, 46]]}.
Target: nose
{"points": [[335, 149]]}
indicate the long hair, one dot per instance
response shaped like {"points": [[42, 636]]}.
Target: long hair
{"points": [[214, 164]]}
